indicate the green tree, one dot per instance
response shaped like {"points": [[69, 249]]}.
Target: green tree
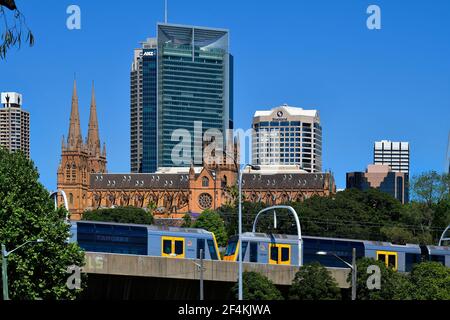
{"points": [[393, 285], [26, 214], [187, 221], [257, 287], [120, 215], [431, 187], [428, 281], [211, 221], [314, 282]]}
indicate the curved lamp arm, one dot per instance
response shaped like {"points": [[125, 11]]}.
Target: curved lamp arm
{"points": [[443, 238], [7, 253], [54, 195], [297, 221]]}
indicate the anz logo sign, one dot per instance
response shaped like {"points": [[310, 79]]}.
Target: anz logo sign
{"points": [[149, 53]]}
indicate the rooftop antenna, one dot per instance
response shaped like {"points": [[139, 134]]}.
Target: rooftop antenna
{"points": [[165, 11], [447, 162]]}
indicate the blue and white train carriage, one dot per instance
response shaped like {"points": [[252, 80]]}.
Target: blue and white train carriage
{"points": [[145, 240], [283, 250]]}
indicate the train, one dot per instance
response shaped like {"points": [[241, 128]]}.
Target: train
{"points": [[144, 240], [189, 243], [283, 250]]}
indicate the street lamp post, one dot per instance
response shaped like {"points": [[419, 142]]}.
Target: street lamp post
{"points": [[351, 266], [241, 171], [5, 255]]}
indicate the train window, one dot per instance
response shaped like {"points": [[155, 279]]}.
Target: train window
{"points": [[274, 254], [179, 247], [390, 259], [244, 250], [167, 246], [253, 252], [200, 245], [231, 248], [285, 254], [212, 250]]}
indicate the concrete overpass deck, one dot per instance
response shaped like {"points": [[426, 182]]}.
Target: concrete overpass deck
{"points": [[221, 271]]}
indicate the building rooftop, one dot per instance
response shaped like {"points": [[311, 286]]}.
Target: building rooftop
{"points": [[292, 111], [11, 98]]}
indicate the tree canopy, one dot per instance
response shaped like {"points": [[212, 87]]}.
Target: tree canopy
{"points": [[26, 214], [120, 215], [211, 221], [368, 215], [314, 282], [257, 287]]}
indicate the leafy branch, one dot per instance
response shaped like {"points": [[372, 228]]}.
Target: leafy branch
{"points": [[13, 34]]}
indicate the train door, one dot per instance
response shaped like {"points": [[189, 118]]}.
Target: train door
{"points": [[280, 254], [390, 259], [172, 247]]}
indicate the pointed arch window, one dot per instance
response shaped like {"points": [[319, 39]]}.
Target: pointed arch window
{"points": [[68, 166], [205, 182], [74, 172]]}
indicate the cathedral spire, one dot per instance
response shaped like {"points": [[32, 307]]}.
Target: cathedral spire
{"points": [[93, 140], [74, 140]]}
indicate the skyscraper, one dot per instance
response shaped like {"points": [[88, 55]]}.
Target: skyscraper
{"points": [[394, 154], [288, 136], [183, 77], [14, 124], [144, 108], [381, 177]]}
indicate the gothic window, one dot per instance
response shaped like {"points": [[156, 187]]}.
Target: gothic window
{"points": [[74, 172], [205, 201], [68, 172], [205, 182], [70, 198]]}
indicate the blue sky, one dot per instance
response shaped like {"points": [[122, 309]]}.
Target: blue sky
{"points": [[393, 83]]}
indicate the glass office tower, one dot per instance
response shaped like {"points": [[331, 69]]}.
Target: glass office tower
{"points": [[144, 108], [194, 84]]}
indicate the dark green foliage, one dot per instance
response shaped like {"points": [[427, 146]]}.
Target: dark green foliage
{"points": [[27, 214], [120, 215], [368, 215], [211, 221], [430, 187], [392, 282], [187, 221], [314, 282], [257, 287], [429, 281]]}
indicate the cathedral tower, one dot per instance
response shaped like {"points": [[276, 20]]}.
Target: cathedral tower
{"points": [[78, 159]]}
